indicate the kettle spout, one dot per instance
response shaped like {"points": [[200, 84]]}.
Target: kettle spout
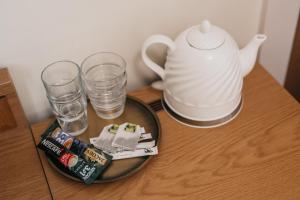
{"points": [[249, 53]]}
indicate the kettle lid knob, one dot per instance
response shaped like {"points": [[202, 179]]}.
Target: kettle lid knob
{"points": [[205, 36], [205, 26]]}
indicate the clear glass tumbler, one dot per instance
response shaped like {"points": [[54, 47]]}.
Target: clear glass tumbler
{"points": [[104, 76], [65, 93]]}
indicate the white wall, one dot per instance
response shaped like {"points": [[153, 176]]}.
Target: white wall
{"points": [[34, 33], [279, 24]]}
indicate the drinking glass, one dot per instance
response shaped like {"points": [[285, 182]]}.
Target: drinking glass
{"points": [[104, 76], [65, 93]]}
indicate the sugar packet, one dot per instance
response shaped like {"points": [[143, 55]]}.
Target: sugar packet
{"points": [[135, 153], [145, 136], [127, 136]]}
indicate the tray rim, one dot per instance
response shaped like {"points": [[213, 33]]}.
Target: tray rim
{"points": [[126, 174]]}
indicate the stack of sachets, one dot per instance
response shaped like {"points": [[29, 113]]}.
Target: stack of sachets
{"points": [[84, 160], [125, 141]]}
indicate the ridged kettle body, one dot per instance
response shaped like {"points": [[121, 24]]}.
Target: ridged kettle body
{"points": [[204, 70]]}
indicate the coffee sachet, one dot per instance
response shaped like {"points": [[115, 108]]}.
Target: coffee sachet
{"points": [[51, 147], [88, 172], [86, 151]]}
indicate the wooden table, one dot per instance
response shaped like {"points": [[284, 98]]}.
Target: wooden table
{"points": [[256, 156], [21, 173]]}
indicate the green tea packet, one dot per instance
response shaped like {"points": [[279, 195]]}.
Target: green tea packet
{"points": [[105, 139], [127, 136]]}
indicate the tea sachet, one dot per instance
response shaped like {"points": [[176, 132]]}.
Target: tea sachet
{"points": [[127, 136], [105, 139]]}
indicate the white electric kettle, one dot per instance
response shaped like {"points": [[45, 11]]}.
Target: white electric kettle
{"points": [[203, 75]]}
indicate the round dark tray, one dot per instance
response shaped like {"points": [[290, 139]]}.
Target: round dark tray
{"points": [[136, 112]]}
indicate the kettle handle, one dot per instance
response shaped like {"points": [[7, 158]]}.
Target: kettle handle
{"points": [[156, 39]]}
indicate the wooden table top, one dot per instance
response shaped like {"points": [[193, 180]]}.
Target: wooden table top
{"points": [[21, 173], [256, 156]]}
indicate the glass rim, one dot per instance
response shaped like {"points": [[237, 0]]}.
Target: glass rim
{"points": [[60, 61], [103, 53]]}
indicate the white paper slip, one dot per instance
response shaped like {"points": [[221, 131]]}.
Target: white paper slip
{"points": [[145, 136], [143, 130], [127, 136], [144, 145], [93, 140], [136, 153]]}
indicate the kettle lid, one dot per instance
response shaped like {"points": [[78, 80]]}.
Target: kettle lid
{"points": [[205, 36]]}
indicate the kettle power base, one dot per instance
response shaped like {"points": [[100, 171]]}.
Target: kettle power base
{"points": [[202, 124]]}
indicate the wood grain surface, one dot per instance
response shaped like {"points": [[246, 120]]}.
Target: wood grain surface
{"points": [[21, 173], [7, 120], [254, 157]]}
